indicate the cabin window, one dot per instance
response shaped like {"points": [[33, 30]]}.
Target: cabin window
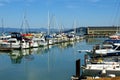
{"points": [[117, 66], [118, 48], [11, 41], [41, 40]]}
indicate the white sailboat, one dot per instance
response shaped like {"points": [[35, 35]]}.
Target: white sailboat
{"points": [[49, 38]]}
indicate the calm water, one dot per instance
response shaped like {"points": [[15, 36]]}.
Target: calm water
{"points": [[54, 63]]}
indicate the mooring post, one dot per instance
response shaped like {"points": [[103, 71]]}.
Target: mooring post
{"points": [[78, 68], [20, 45], [10, 45], [30, 44], [85, 59], [77, 76]]}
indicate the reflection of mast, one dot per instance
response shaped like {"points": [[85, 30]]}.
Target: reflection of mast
{"points": [[48, 60]]}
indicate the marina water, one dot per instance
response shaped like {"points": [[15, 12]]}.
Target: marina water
{"points": [[55, 62]]}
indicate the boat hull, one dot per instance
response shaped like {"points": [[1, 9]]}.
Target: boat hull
{"points": [[115, 53], [88, 72]]}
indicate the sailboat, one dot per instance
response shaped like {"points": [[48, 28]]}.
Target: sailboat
{"points": [[15, 42], [48, 37], [3, 36], [116, 35]]}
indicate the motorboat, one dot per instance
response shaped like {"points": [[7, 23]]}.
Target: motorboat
{"points": [[42, 42], [107, 50], [13, 43], [102, 68], [4, 38]]}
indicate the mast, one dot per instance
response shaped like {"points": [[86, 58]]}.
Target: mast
{"points": [[75, 26], [2, 22], [48, 23], [25, 25]]}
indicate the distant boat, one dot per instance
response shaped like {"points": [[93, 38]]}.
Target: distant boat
{"points": [[27, 36], [43, 42], [49, 39], [36, 42], [115, 36]]}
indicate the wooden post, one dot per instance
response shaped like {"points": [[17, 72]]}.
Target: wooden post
{"points": [[94, 48], [48, 41], [78, 68], [10, 45], [30, 44], [77, 76], [20, 45]]}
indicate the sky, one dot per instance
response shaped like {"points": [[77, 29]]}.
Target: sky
{"points": [[62, 13]]}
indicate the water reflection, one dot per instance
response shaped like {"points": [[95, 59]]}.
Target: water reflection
{"points": [[16, 56], [43, 63], [94, 40], [66, 45]]}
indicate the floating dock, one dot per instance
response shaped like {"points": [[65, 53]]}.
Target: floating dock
{"points": [[6, 49]]}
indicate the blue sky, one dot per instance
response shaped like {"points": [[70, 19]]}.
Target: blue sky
{"points": [[62, 12]]}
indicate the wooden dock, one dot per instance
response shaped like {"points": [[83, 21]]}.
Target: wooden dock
{"points": [[6, 49]]}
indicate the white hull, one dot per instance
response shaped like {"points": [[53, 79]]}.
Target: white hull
{"points": [[102, 68], [14, 44]]}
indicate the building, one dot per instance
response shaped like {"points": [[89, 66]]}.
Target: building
{"points": [[102, 30]]}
